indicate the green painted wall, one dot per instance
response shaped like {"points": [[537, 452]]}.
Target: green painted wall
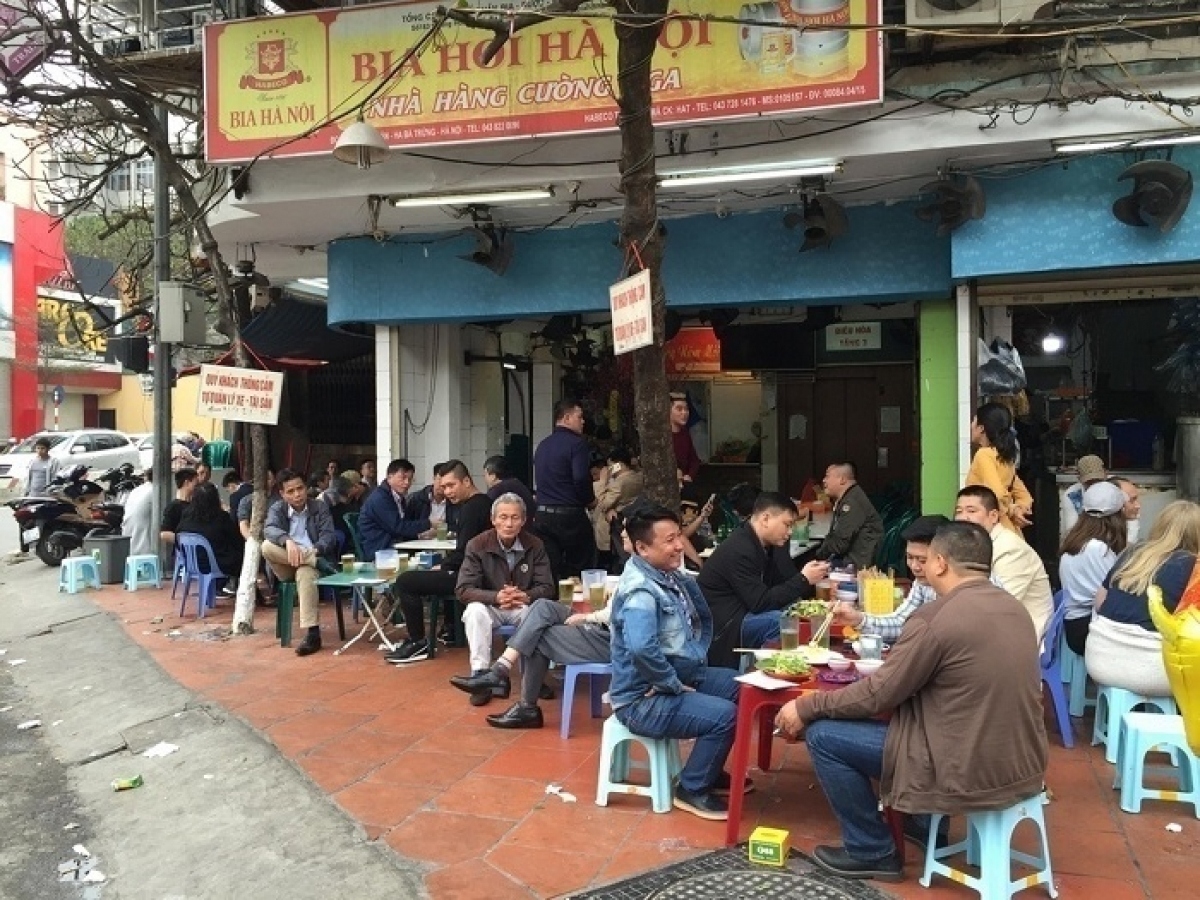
{"points": [[937, 400]]}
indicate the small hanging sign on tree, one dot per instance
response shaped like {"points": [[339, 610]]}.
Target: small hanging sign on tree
{"points": [[632, 320]]}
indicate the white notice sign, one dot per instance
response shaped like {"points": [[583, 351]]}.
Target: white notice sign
{"points": [[632, 323], [239, 395], [853, 336]]}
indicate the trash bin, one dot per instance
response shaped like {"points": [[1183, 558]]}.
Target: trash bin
{"points": [[114, 550]]}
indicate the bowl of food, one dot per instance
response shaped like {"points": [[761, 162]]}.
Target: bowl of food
{"points": [[868, 666], [839, 664], [807, 609], [787, 667]]}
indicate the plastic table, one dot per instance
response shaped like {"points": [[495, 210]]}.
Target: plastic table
{"points": [[363, 581]]}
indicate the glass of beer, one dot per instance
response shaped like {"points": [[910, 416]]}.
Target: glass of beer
{"points": [[348, 563], [789, 633], [566, 591]]}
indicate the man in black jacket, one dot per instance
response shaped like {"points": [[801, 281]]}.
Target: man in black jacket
{"points": [[474, 517], [750, 579], [856, 529]]}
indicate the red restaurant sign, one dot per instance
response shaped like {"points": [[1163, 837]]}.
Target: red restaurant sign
{"points": [[694, 351], [269, 80]]}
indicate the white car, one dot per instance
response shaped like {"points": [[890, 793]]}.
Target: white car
{"points": [[145, 447], [97, 448]]}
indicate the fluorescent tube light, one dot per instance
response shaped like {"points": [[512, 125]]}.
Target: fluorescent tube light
{"points": [[738, 174], [1052, 343], [482, 198], [1133, 142]]}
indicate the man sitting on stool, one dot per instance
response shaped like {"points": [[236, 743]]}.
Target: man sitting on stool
{"points": [[504, 570], [296, 534], [966, 735], [412, 587]]}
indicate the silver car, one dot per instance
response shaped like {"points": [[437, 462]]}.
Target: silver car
{"points": [[96, 448]]}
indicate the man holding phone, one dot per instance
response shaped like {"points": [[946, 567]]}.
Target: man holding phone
{"points": [[750, 579]]}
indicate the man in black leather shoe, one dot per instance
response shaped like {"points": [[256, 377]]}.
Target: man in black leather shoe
{"points": [[504, 571], [964, 689], [550, 632]]}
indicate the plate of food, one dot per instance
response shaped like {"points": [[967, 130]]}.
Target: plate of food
{"points": [[786, 666], [813, 656]]}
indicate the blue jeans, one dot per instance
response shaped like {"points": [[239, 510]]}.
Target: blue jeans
{"points": [[708, 714], [758, 628], [847, 755]]}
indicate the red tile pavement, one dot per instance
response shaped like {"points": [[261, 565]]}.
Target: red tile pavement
{"points": [[405, 755]]}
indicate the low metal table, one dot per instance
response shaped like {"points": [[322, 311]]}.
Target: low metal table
{"points": [[365, 582]]}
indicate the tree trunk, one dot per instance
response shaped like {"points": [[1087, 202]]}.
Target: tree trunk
{"points": [[636, 43]]}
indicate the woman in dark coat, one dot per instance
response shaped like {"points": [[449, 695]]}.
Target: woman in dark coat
{"points": [[205, 517]]}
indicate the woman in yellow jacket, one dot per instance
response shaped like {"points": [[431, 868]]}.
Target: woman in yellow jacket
{"points": [[995, 464]]}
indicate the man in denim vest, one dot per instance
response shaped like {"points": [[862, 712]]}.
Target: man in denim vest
{"points": [[662, 686]]}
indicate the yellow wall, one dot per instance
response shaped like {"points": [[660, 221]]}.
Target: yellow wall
{"points": [[135, 410]]}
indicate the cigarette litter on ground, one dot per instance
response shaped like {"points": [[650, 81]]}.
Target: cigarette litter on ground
{"points": [[15, 662], [157, 620], [174, 632], [162, 748], [3, 650], [32, 723], [71, 826], [556, 789], [56, 722], [95, 877], [1174, 827], [5, 709], [81, 850]]}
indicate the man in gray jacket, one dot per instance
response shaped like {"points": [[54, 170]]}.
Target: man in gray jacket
{"points": [[297, 533]]}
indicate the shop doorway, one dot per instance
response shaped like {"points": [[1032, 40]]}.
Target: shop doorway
{"points": [[864, 414]]}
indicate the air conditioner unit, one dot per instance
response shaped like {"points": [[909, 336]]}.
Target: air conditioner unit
{"points": [[950, 13]]}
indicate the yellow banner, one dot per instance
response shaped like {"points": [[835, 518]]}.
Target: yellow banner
{"points": [[269, 83]]}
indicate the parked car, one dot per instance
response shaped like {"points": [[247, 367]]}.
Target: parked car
{"points": [[96, 448], [145, 446]]}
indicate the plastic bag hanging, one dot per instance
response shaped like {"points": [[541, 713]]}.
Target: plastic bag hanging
{"points": [[1000, 368], [1181, 656]]}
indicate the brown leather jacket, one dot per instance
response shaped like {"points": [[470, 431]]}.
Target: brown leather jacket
{"points": [[964, 688], [485, 569]]}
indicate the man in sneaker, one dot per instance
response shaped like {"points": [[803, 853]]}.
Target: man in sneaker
{"points": [[474, 518], [504, 570], [964, 690], [297, 533], [662, 686]]}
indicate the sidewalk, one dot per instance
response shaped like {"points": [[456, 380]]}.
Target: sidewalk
{"points": [[406, 757]]}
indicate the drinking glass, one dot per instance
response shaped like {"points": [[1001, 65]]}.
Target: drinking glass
{"points": [[789, 633], [566, 591], [816, 624]]}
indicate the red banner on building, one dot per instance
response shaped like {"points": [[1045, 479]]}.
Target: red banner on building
{"points": [[694, 351], [269, 81]]}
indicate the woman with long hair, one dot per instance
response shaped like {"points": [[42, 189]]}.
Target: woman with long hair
{"points": [[205, 517], [1124, 650], [1089, 551], [994, 464]]}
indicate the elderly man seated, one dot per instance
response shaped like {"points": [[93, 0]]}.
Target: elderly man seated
{"points": [[504, 570], [964, 690]]}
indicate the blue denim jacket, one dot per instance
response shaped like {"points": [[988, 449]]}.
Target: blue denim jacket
{"points": [[654, 645]]}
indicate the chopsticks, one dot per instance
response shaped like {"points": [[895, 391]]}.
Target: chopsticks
{"points": [[816, 638]]}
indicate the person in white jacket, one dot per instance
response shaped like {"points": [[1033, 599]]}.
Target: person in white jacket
{"points": [[138, 523]]}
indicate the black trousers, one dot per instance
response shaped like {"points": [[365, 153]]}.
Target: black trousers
{"points": [[412, 588], [570, 541], [1076, 632]]}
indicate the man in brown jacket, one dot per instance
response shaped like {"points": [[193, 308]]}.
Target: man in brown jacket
{"points": [[503, 571], [963, 687]]}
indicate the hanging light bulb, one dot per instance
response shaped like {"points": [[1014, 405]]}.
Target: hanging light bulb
{"points": [[1052, 343], [361, 145]]}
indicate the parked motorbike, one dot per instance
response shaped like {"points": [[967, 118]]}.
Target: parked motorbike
{"points": [[75, 508]]}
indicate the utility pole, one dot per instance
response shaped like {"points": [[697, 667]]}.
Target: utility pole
{"points": [[162, 352]]}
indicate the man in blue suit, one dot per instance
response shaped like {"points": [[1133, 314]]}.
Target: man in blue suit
{"points": [[390, 515]]}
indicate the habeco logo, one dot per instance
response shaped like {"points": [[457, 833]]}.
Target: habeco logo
{"points": [[270, 65]]}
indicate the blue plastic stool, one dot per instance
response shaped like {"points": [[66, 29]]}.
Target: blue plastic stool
{"points": [[988, 845], [1140, 733], [1074, 673], [78, 572], [141, 569], [664, 765], [596, 672], [1112, 703]]}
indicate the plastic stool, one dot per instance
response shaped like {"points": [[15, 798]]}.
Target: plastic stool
{"points": [[1074, 672], [595, 672], [988, 845], [614, 766], [1112, 703], [141, 569], [78, 572], [1142, 732], [285, 602]]}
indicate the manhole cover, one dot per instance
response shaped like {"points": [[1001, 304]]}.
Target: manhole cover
{"points": [[728, 875], [754, 885]]}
